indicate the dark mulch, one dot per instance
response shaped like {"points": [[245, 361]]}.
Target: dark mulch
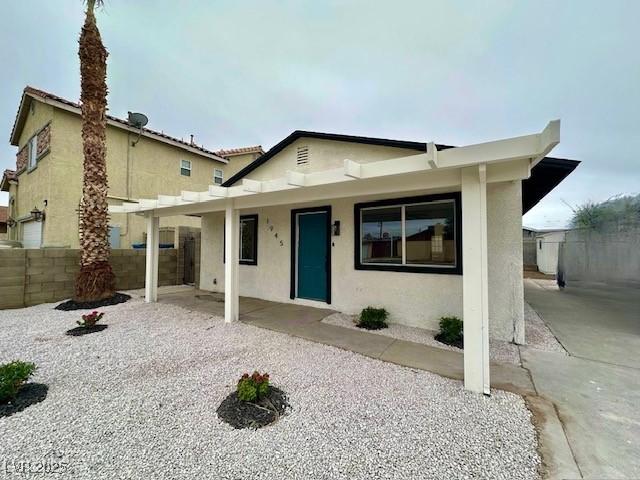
{"points": [[458, 343], [29, 394], [72, 305], [371, 326], [76, 332], [241, 414]]}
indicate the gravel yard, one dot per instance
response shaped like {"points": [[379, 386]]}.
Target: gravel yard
{"points": [[537, 336], [138, 400], [499, 351]]}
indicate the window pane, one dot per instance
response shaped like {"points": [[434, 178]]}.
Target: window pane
{"points": [[382, 235], [33, 152], [185, 172], [247, 239], [185, 164], [430, 234]]}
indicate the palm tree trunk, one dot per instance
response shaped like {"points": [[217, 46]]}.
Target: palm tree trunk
{"points": [[96, 280]]}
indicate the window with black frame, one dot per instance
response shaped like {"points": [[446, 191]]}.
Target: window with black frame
{"points": [[418, 234], [249, 240]]}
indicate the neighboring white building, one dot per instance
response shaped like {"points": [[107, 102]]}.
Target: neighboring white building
{"points": [[547, 245], [423, 230]]}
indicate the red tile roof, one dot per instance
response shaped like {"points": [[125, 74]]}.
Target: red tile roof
{"points": [[6, 177], [3, 214], [11, 174], [50, 96], [240, 151]]}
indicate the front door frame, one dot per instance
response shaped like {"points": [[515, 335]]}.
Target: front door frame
{"points": [[294, 247]]}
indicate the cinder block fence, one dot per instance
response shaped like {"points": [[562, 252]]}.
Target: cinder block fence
{"points": [[31, 277]]}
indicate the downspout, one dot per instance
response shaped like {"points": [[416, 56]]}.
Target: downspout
{"points": [[127, 183]]}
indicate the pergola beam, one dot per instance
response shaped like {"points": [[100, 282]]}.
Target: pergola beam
{"points": [[526, 148], [254, 186], [217, 191], [352, 169], [296, 179], [432, 155]]}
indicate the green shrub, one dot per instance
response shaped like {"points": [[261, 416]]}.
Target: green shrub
{"points": [[373, 318], [451, 330], [90, 319], [254, 387], [12, 377]]}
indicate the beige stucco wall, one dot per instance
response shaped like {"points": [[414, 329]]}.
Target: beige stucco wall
{"points": [[504, 245], [238, 162], [413, 299], [324, 155], [154, 168], [35, 184]]}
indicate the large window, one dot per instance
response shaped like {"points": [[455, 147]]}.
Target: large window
{"points": [[249, 239], [418, 234]]}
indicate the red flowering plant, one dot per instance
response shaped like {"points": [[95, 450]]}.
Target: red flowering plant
{"points": [[90, 319], [253, 387]]}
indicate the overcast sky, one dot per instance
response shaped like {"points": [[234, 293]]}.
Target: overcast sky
{"points": [[237, 73]]}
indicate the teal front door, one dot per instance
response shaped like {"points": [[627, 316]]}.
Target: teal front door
{"points": [[313, 255]]}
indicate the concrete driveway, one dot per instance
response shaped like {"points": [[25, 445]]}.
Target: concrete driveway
{"points": [[597, 387]]}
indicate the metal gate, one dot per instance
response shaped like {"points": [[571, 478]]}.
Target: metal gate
{"points": [[189, 249]]}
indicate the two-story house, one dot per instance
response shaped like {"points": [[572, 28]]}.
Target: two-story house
{"points": [[46, 187]]}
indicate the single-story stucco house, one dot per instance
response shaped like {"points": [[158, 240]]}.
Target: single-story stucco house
{"points": [[423, 230]]}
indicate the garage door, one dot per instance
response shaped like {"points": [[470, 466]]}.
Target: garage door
{"points": [[32, 234]]}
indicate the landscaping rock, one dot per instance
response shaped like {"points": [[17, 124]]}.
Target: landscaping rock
{"points": [[140, 402]]}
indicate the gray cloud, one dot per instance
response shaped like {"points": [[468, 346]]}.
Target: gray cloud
{"points": [[241, 73]]}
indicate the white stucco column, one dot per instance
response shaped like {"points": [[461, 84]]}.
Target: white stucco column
{"points": [[151, 267], [231, 259], [475, 279]]}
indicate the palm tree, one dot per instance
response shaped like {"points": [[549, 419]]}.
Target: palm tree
{"points": [[96, 280]]}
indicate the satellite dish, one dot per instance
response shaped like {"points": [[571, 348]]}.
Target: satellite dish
{"points": [[137, 120]]}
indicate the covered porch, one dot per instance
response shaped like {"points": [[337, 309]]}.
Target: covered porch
{"points": [[467, 170]]}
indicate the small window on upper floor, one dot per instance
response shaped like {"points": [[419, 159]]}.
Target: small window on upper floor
{"points": [[33, 152], [185, 168], [218, 176]]}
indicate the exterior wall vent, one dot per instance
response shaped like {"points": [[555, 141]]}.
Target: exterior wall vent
{"points": [[303, 156]]}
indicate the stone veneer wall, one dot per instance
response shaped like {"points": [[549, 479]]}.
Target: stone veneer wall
{"points": [[43, 146], [30, 277]]}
